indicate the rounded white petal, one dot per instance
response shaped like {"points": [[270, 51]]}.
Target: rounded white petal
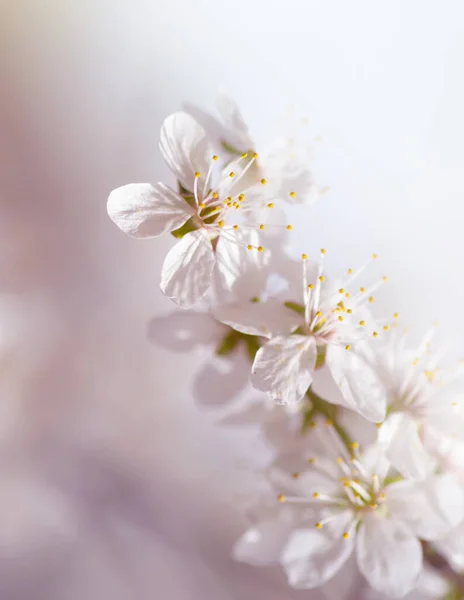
{"points": [[389, 555], [360, 387], [405, 450], [283, 368], [258, 318], [143, 210], [186, 148], [238, 135], [187, 269], [431, 508], [311, 557]]}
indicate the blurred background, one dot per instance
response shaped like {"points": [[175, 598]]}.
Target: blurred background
{"points": [[114, 480]]}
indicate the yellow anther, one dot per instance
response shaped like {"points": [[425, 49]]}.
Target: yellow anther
{"points": [[311, 461], [375, 334], [255, 155], [346, 535], [339, 460], [263, 181], [318, 525], [382, 496], [385, 278], [316, 495], [319, 314], [304, 256], [292, 194], [261, 227], [362, 289], [362, 323], [323, 250], [340, 318], [197, 174], [371, 299], [350, 271], [281, 498], [241, 197], [289, 227], [270, 205], [250, 247], [260, 248], [375, 256], [396, 315], [237, 206], [348, 347], [329, 422], [341, 291], [321, 278], [374, 505], [215, 195], [349, 311], [355, 445], [221, 223], [346, 483], [202, 205], [232, 174], [235, 227], [347, 295], [311, 286], [244, 155], [215, 157], [295, 475], [386, 327]]}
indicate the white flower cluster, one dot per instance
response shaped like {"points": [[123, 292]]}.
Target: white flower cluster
{"points": [[375, 469]]}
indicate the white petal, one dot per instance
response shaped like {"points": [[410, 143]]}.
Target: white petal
{"points": [[389, 555], [452, 547], [290, 174], [186, 148], [406, 451], [188, 268], [258, 318], [311, 557], [358, 383], [283, 367], [237, 129], [431, 508], [143, 210], [240, 273]]}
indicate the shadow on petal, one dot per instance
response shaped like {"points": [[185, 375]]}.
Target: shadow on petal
{"points": [[182, 331], [220, 381]]}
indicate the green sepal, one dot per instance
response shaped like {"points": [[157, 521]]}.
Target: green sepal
{"points": [[230, 149], [298, 308], [187, 227], [320, 358], [233, 338], [228, 344]]}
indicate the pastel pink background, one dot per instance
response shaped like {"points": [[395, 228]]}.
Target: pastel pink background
{"points": [[114, 481]]}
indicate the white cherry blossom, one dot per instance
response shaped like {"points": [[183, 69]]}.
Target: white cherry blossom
{"points": [[285, 168], [207, 209], [351, 504], [424, 403], [331, 329]]}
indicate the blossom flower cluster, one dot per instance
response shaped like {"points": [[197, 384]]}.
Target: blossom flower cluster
{"points": [[369, 476]]}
